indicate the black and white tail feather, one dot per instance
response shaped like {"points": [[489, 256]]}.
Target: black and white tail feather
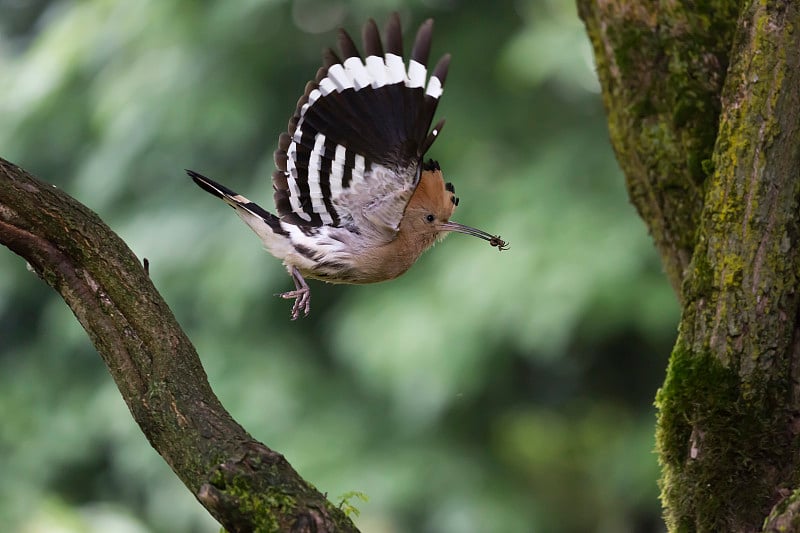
{"points": [[351, 158]]}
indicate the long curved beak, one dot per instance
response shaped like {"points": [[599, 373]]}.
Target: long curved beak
{"points": [[494, 240]]}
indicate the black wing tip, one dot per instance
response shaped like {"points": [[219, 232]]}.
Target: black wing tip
{"points": [[394, 35], [329, 58], [236, 201], [209, 185], [422, 43], [371, 38], [346, 45], [432, 136], [198, 178], [441, 68]]}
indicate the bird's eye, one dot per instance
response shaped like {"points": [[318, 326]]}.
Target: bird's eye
{"points": [[430, 218]]}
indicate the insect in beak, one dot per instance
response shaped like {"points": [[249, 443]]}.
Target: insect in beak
{"points": [[494, 240]]}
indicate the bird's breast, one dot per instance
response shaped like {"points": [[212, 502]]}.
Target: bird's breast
{"points": [[360, 263]]}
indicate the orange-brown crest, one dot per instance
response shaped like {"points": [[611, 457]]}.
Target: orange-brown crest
{"points": [[428, 212], [432, 195], [427, 215]]}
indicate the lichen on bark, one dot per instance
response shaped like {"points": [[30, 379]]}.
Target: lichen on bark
{"points": [[716, 177]]}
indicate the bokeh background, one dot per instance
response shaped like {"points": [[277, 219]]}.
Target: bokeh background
{"points": [[481, 392]]}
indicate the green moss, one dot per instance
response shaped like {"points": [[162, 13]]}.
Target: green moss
{"points": [[708, 166], [702, 276], [261, 509], [731, 271], [632, 42], [717, 443], [662, 88], [723, 430]]}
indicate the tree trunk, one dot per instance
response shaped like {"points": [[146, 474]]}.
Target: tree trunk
{"points": [[242, 483], [703, 100]]}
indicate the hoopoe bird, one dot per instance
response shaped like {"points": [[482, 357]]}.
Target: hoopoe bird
{"points": [[356, 201]]}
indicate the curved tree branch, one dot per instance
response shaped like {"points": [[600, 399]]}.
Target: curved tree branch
{"points": [[243, 484]]}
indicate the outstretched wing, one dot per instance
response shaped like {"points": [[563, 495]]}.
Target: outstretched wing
{"points": [[354, 146]]}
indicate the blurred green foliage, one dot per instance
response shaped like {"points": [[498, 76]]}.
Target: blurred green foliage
{"points": [[480, 392]]}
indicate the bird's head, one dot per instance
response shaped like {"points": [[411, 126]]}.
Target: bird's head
{"points": [[428, 213]]}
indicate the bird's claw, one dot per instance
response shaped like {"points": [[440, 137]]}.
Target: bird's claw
{"points": [[302, 301], [301, 294]]}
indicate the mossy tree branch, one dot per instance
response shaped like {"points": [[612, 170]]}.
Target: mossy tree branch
{"points": [[729, 411], [243, 484]]}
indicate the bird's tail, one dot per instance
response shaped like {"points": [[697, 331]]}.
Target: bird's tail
{"points": [[264, 223]]}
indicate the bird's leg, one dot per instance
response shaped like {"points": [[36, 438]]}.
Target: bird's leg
{"points": [[301, 294]]}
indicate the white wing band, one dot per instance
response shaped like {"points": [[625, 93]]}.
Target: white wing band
{"points": [[314, 189], [434, 88], [337, 171], [291, 179], [377, 71], [416, 74], [358, 74], [395, 69]]}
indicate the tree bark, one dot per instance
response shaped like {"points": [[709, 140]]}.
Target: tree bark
{"points": [[243, 484], [718, 187]]}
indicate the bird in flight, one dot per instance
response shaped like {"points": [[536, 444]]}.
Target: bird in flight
{"points": [[356, 201]]}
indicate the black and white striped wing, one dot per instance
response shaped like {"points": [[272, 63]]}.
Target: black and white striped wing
{"points": [[354, 147]]}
